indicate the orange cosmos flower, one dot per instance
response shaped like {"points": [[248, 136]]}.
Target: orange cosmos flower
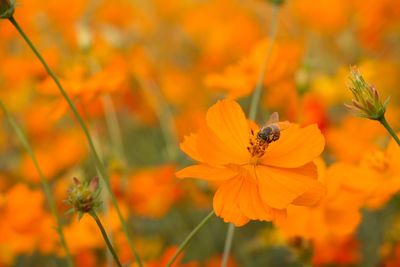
{"points": [[258, 179], [26, 226], [239, 79], [337, 215], [344, 252], [383, 180], [159, 181], [324, 16]]}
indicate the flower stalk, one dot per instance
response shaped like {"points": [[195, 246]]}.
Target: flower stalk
{"points": [[389, 129], [189, 238], [85, 198], [46, 187], [105, 237], [228, 245], [252, 114], [99, 164], [255, 100]]}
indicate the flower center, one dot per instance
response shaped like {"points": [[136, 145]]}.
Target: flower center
{"points": [[257, 146]]}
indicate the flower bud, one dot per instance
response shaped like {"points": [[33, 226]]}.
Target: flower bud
{"points": [[84, 197], [7, 8], [366, 101]]}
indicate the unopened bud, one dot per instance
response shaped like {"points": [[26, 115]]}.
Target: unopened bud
{"points": [[84, 197], [7, 8], [366, 101]]}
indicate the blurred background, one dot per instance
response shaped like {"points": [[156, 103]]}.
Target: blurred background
{"points": [[142, 74]]}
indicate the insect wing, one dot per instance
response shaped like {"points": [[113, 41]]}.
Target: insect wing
{"points": [[273, 118]]}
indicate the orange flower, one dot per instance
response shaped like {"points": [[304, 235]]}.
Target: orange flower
{"points": [[353, 136], [65, 151], [214, 24], [25, 225], [240, 79], [383, 180], [82, 235], [324, 16], [337, 215], [159, 181], [344, 252], [258, 181]]}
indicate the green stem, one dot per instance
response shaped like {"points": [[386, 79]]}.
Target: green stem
{"points": [[189, 238], [166, 120], [113, 128], [228, 245], [259, 86], [99, 164], [255, 100], [46, 187], [103, 232], [385, 124]]}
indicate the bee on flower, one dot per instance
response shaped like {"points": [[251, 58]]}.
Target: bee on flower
{"points": [[261, 171]]}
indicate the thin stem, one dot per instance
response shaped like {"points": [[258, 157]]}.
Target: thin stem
{"points": [[165, 118], [228, 245], [99, 164], [46, 187], [113, 128], [116, 151], [189, 238], [255, 99], [385, 124], [104, 234]]}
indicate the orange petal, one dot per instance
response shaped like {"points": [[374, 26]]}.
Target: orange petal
{"points": [[189, 146], [227, 120], [250, 202], [280, 187], [383, 192], [296, 147], [207, 172], [215, 152], [312, 196], [357, 179], [225, 202], [342, 222]]}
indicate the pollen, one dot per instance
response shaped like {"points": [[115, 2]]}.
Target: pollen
{"points": [[256, 146]]}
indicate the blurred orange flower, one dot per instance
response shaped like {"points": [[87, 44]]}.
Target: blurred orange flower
{"points": [[337, 215], [352, 136], [25, 225], [258, 181], [82, 235], [161, 183], [324, 16], [344, 252], [85, 88], [240, 79], [65, 151], [383, 180]]}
